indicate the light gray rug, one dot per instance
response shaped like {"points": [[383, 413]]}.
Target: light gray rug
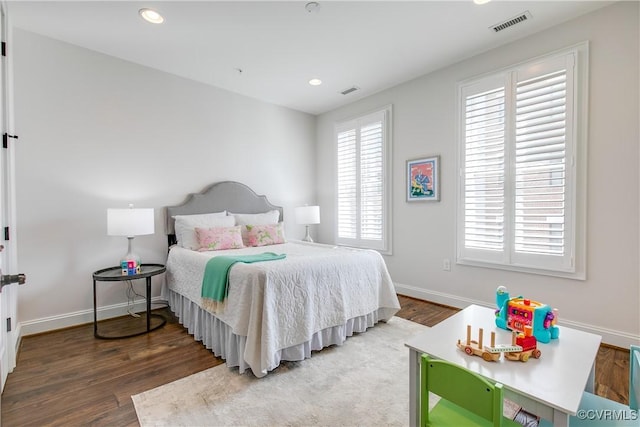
{"points": [[364, 381]]}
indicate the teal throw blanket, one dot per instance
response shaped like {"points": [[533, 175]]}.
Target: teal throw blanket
{"points": [[216, 274]]}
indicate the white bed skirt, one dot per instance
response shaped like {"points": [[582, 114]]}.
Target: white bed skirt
{"points": [[218, 337]]}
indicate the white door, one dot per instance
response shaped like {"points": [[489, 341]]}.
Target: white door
{"points": [[9, 334]]}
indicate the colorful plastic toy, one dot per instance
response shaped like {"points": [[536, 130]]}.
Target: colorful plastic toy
{"points": [[514, 314], [130, 267]]}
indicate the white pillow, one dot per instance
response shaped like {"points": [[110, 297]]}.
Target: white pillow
{"points": [[271, 217], [185, 226]]}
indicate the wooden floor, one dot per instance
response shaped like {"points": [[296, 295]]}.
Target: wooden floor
{"points": [[69, 378]]}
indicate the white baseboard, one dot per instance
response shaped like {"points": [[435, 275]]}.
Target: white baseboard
{"points": [[18, 339], [609, 336], [61, 321]]}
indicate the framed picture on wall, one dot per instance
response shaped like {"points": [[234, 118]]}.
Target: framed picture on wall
{"points": [[423, 179]]}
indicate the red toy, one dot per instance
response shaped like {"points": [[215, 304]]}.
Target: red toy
{"points": [[527, 342]]}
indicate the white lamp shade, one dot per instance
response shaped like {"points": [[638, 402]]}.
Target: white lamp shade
{"points": [[307, 215], [130, 222]]}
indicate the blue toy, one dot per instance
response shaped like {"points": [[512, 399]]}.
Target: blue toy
{"points": [[514, 314]]}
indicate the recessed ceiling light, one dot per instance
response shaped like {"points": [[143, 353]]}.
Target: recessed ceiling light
{"points": [[315, 82], [151, 15], [481, 1]]}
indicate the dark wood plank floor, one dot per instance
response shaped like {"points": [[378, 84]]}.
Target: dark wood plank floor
{"points": [[69, 378]]}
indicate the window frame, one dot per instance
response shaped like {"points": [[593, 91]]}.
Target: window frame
{"points": [[576, 171], [385, 245]]}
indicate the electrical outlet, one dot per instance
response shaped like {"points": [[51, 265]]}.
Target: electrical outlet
{"points": [[446, 264]]}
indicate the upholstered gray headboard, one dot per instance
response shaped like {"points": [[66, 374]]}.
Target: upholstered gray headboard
{"points": [[225, 195]]}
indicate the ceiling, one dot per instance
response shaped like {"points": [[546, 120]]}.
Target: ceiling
{"points": [[270, 50]]}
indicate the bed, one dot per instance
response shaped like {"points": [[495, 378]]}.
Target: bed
{"points": [[317, 296]]}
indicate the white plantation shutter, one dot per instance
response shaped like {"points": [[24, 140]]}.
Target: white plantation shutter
{"points": [[371, 181], [347, 185], [485, 170], [517, 167], [362, 182], [540, 164]]}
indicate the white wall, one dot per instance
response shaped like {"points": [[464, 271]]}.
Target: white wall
{"points": [[97, 132], [424, 112]]}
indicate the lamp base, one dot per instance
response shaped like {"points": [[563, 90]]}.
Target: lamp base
{"points": [[307, 237], [130, 263]]}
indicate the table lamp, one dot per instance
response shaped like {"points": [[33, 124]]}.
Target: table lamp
{"points": [[130, 223], [307, 215]]}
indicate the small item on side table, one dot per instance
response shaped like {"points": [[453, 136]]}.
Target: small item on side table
{"points": [[130, 267]]}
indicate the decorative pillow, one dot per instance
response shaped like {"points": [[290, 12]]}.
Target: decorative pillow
{"points": [[263, 235], [218, 238], [271, 217], [185, 226]]}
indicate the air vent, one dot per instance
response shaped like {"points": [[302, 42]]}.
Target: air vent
{"points": [[511, 22], [349, 90]]}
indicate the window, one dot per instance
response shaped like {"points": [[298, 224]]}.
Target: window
{"points": [[363, 181], [520, 186]]}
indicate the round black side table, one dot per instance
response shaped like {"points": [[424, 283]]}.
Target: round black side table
{"points": [[114, 274]]}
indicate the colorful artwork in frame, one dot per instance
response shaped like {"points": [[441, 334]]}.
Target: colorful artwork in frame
{"points": [[423, 179]]}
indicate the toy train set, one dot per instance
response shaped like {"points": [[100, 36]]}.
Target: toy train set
{"points": [[522, 347], [529, 321]]}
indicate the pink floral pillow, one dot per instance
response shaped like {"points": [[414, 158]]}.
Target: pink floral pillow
{"points": [[263, 235], [218, 238]]}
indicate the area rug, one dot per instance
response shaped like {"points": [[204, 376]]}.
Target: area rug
{"points": [[363, 382]]}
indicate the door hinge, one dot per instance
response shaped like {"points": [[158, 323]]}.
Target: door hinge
{"points": [[8, 324], [4, 48], [6, 233], [5, 139]]}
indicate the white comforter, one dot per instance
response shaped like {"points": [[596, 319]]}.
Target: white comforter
{"points": [[279, 304]]}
